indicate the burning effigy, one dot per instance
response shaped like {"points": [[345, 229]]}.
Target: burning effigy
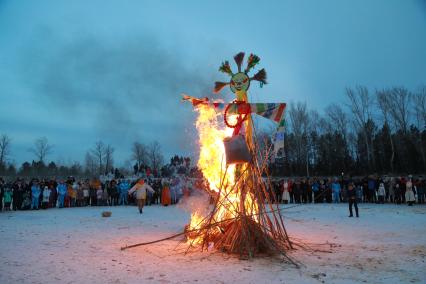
{"points": [[244, 218]]}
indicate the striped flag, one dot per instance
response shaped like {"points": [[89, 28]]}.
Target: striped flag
{"points": [[272, 111]]}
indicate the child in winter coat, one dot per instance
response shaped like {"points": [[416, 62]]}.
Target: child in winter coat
{"points": [[392, 191], [46, 197], [141, 188], [73, 196], [80, 195], [105, 197], [409, 193], [286, 194], [86, 193], [99, 194], [381, 193], [7, 196], [26, 199]]}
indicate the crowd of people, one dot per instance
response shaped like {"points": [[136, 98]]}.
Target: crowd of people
{"points": [[37, 194], [371, 189], [22, 194]]}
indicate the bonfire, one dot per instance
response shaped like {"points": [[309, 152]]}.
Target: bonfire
{"points": [[244, 218]]}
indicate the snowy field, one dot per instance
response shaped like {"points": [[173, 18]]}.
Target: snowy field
{"points": [[76, 245]]}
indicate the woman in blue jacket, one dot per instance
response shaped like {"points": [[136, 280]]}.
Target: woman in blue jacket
{"points": [[62, 191], [335, 187], [35, 195]]}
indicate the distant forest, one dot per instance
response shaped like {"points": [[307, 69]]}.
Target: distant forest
{"points": [[371, 132]]}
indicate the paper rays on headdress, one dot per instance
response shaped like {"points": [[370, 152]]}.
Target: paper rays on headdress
{"points": [[240, 81]]}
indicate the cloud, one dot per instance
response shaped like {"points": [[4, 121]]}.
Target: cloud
{"points": [[129, 89]]}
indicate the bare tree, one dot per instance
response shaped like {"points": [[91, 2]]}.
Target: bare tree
{"points": [[41, 148], [419, 100], [399, 102], [90, 163], [263, 140], [299, 124], [360, 104], [324, 125], [384, 105], [140, 153], [314, 124], [109, 161], [155, 156], [98, 153], [4, 148], [338, 118]]}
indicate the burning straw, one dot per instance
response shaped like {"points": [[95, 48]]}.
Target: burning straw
{"points": [[245, 218]]}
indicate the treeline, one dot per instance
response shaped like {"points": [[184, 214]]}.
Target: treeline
{"points": [[379, 132], [99, 160]]}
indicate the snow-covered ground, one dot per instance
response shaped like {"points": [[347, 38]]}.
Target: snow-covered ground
{"points": [[76, 245]]}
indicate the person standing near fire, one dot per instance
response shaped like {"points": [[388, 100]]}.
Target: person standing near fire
{"points": [[166, 199], [141, 188]]}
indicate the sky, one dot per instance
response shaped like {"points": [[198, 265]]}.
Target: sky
{"points": [[81, 71]]}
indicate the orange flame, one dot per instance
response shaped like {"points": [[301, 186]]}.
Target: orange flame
{"points": [[221, 178]]}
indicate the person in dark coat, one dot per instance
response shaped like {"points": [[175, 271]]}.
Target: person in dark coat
{"points": [[277, 190], [398, 191], [315, 189], [26, 197], [328, 192], [113, 192], [352, 200], [309, 190], [297, 192], [304, 191], [18, 190], [421, 191], [322, 191]]}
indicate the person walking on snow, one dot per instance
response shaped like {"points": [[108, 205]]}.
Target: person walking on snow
{"points": [[352, 200], [141, 189]]}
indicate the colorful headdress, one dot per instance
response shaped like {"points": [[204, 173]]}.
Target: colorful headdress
{"points": [[240, 81]]}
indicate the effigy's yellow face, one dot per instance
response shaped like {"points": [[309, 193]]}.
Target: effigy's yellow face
{"points": [[240, 82]]}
